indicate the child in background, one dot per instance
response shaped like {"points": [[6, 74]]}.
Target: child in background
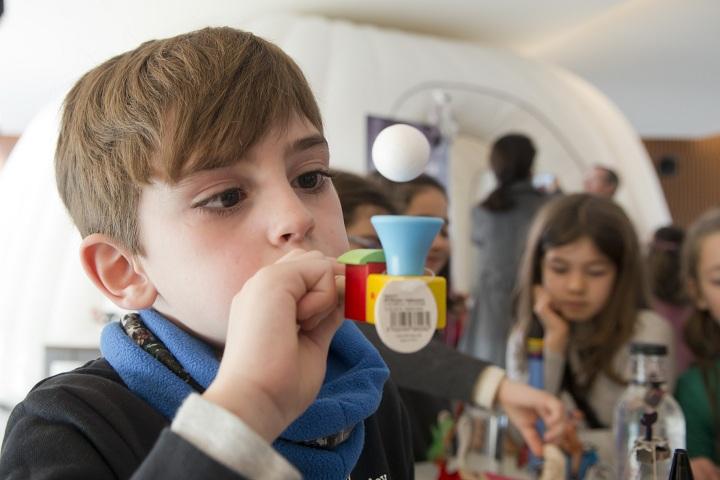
{"points": [[698, 389], [580, 278], [431, 377], [196, 170], [665, 285]]}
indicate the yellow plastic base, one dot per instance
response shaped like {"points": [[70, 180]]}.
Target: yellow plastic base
{"points": [[437, 285]]}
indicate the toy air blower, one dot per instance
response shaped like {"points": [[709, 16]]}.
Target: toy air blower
{"points": [[390, 287]]}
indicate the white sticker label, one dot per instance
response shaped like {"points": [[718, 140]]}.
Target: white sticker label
{"points": [[406, 315]]}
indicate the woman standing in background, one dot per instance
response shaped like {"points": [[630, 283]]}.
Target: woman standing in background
{"points": [[500, 226]]}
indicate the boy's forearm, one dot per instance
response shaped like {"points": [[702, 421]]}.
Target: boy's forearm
{"points": [[229, 441]]}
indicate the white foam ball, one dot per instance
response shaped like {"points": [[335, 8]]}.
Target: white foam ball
{"points": [[400, 152]]}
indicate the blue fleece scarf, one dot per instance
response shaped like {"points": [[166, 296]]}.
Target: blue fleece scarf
{"points": [[350, 393]]}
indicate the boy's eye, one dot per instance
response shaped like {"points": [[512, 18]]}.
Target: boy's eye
{"points": [[311, 180], [225, 199]]}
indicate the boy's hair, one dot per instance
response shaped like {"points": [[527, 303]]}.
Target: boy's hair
{"points": [[565, 220], [165, 110]]}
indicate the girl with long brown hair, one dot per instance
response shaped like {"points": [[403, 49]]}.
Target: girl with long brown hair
{"points": [[580, 285], [698, 390]]}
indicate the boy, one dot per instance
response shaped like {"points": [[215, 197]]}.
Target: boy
{"points": [[196, 171]]}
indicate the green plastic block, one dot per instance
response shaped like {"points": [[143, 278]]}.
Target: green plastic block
{"points": [[362, 256]]}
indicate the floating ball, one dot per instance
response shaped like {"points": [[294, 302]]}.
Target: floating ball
{"points": [[400, 152]]}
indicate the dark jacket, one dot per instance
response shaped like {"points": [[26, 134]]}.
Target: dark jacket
{"points": [[86, 424], [428, 380]]}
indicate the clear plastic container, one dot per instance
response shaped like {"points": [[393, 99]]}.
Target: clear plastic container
{"points": [[648, 424]]}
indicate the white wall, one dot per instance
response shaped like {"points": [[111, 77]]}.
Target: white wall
{"points": [[657, 60], [45, 45]]}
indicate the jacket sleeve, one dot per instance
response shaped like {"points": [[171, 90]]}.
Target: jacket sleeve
{"points": [[439, 370], [49, 449], [94, 429]]}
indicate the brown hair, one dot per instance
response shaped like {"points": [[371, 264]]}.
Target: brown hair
{"points": [[355, 191], [562, 221], [702, 331], [662, 266], [511, 160], [402, 193], [165, 110]]}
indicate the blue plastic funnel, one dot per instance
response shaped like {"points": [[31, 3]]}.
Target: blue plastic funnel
{"points": [[406, 241]]}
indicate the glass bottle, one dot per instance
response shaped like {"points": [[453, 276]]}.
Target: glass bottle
{"points": [[648, 423]]}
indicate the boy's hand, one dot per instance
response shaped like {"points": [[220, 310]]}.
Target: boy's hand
{"points": [[555, 326], [280, 327], [524, 405]]}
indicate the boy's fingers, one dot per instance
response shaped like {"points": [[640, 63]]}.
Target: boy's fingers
{"points": [[323, 333], [320, 298], [340, 288]]}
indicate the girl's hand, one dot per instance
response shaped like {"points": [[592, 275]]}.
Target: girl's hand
{"points": [[524, 405], [556, 327]]}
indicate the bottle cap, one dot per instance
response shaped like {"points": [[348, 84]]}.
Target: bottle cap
{"points": [[680, 469]]}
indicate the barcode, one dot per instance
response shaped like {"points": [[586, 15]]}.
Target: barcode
{"points": [[410, 319]]}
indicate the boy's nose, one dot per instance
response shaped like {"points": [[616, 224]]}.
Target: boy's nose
{"points": [[290, 222]]}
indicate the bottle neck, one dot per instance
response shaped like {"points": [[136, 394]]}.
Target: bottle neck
{"points": [[648, 369]]}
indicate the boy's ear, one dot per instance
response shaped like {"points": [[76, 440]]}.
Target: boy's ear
{"points": [[116, 272]]}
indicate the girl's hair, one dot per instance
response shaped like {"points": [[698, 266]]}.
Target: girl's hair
{"points": [[511, 160], [402, 193], [702, 331], [565, 220], [355, 191], [662, 265]]}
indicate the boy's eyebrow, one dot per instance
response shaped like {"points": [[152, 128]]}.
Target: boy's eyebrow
{"points": [[306, 143]]}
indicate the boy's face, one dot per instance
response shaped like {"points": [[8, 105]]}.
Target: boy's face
{"points": [[205, 236]]}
